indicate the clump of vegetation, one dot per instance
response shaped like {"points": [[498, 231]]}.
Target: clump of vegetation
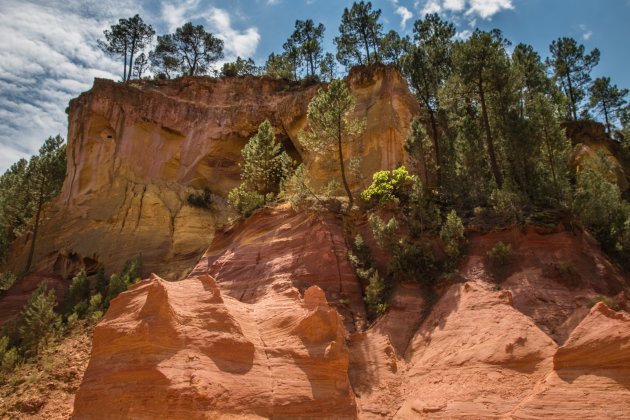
{"points": [[202, 200], [500, 255], [264, 169], [605, 299], [388, 186], [7, 279], [452, 233], [331, 125], [413, 262], [384, 233], [375, 293]]}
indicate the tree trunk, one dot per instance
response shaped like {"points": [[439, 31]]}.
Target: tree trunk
{"points": [[125, 66], [343, 170], [490, 143], [367, 47], [606, 117], [550, 154], [571, 97], [40, 204]]}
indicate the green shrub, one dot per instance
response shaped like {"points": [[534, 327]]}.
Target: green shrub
{"points": [[79, 292], [605, 299], [452, 233], [9, 356], [7, 279], [413, 262], [245, 201], [388, 186], [506, 204], [421, 212], [384, 233], [38, 321], [101, 281], [202, 200], [500, 255], [375, 295]]}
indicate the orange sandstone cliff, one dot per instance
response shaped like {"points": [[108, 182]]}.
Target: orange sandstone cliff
{"points": [[136, 151]]}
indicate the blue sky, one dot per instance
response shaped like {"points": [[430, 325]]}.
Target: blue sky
{"points": [[48, 53]]}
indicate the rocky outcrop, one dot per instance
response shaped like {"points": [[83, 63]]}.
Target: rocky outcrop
{"points": [[239, 337], [270, 323], [137, 150]]}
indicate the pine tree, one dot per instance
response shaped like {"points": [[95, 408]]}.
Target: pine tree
{"points": [[191, 47], [331, 125], [427, 66], [306, 41], [607, 99], [126, 38], [572, 68], [38, 321], [262, 171], [360, 31], [47, 172]]}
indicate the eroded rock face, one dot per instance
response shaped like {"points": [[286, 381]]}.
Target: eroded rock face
{"points": [[270, 323], [253, 331], [137, 150]]}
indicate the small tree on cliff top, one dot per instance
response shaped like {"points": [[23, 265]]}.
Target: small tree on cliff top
{"points": [[331, 125]]}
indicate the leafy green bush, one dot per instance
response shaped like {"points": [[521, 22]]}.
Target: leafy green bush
{"points": [[506, 204], [38, 321], [9, 356], [384, 233], [7, 279], [245, 201], [452, 233], [421, 212], [500, 255], [388, 186], [202, 200], [375, 294], [78, 292], [605, 299], [413, 262]]}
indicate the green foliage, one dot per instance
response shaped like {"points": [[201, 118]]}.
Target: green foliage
{"points": [[599, 205], [9, 356], [306, 43], [421, 152], [279, 66], [608, 100], [246, 201], [202, 200], [25, 188], [375, 293], [388, 186], [452, 233], [331, 125], [78, 292], [421, 212], [190, 51], [384, 233], [119, 283], [240, 67], [605, 299], [500, 255], [413, 262], [505, 204], [572, 68], [7, 279], [126, 38], [393, 48], [359, 32], [265, 167], [101, 281], [38, 322]]}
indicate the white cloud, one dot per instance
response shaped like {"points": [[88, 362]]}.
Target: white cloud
{"points": [[471, 8], [176, 14], [273, 2], [488, 8], [586, 33], [404, 14], [237, 43], [463, 35], [48, 55]]}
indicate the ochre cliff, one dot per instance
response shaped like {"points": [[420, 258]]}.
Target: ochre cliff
{"points": [[270, 323], [137, 150]]}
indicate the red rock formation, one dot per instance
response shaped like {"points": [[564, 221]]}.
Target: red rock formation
{"points": [[258, 329], [13, 300], [235, 337]]}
